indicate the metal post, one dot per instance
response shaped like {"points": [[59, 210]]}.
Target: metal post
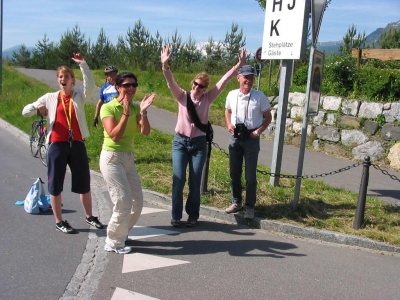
{"points": [[204, 174], [359, 217], [281, 121], [1, 46], [259, 75]]}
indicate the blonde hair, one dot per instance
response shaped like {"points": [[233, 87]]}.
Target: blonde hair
{"points": [[66, 70], [203, 76]]}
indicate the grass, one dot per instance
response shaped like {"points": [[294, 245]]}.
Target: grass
{"points": [[320, 205]]}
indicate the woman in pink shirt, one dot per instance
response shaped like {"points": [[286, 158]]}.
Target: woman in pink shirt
{"points": [[189, 145]]}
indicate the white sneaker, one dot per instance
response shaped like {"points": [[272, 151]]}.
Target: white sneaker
{"points": [[234, 207], [119, 250]]}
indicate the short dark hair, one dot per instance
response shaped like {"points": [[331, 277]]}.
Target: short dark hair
{"points": [[122, 76]]}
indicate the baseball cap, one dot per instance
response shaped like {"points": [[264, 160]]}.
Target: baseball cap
{"points": [[246, 70]]}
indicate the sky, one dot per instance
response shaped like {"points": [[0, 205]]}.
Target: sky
{"points": [[27, 21]]}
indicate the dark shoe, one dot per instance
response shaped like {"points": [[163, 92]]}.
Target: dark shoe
{"points": [[191, 222], [249, 214], [94, 221], [64, 226], [176, 223]]}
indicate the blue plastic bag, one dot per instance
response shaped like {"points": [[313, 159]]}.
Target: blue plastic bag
{"points": [[36, 199]]}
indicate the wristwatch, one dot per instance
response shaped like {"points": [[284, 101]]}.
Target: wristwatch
{"points": [[256, 133]]}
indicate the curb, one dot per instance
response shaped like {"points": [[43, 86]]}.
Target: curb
{"points": [[280, 227]]}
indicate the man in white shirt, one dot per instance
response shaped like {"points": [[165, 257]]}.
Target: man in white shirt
{"points": [[247, 115]]}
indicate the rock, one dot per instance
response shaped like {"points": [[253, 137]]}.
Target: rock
{"points": [[318, 119], [347, 121], [331, 119], [353, 137], [390, 132], [373, 149], [392, 114], [297, 99], [328, 133], [331, 103], [394, 156], [350, 107], [370, 110], [371, 127]]}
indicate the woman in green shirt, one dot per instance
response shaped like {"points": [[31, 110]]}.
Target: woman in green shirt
{"points": [[122, 119]]}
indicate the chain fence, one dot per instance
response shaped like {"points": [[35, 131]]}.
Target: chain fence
{"points": [[355, 165]]}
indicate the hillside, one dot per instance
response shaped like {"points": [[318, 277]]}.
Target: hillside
{"points": [[372, 39]]}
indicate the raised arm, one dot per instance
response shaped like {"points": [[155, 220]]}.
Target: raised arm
{"points": [[172, 85], [88, 80], [221, 84]]}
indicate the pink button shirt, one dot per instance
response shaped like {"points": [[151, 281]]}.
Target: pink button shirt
{"points": [[185, 125]]}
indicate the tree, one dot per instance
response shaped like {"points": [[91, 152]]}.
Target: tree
{"points": [[175, 43], [190, 53], [22, 57], [214, 56], [70, 42], [352, 39], [233, 42], [390, 39], [101, 53], [45, 55], [138, 40]]}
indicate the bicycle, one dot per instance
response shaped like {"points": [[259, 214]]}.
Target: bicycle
{"points": [[37, 139]]}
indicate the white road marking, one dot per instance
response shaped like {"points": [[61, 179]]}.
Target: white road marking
{"points": [[121, 294], [150, 210], [140, 232], [139, 262]]}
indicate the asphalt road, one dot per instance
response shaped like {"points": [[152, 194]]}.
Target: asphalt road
{"points": [[216, 260], [37, 261]]}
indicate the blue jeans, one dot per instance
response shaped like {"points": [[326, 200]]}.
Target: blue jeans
{"points": [[247, 148], [193, 152]]}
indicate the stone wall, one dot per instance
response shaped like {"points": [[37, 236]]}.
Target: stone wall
{"points": [[367, 128]]}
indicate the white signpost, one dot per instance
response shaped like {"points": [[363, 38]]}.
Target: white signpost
{"points": [[285, 37], [285, 29]]}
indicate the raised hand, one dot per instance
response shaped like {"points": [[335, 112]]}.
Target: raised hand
{"points": [[242, 57], [78, 58], [146, 102], [165, 54]]}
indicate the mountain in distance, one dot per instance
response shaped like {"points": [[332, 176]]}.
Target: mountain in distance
{"points": [[372, 39], [7, 54]]}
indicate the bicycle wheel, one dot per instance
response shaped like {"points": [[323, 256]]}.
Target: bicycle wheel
{"points": [[43, 154], [43, 149], [34, 139]]}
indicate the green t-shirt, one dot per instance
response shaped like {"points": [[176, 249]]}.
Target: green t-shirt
{"points": [[115, 109]]}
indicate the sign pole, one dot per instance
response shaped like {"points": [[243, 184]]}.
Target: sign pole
{"points": [[276, 165], [303, 135]]}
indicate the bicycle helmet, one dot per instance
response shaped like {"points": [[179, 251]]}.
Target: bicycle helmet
{"points": [[110, 69]]}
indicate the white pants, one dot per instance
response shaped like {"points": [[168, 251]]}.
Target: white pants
{"points": [[123, 182]]}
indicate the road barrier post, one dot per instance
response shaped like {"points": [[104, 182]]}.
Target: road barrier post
{"points": [[204, 175], [359, 217]]}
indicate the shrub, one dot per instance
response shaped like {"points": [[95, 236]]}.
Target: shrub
{"points": [[377, 84], [338, 74], [300, 76]]}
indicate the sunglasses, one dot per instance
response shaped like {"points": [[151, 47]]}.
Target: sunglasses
{"points": [[128, 85], [199, 85]]}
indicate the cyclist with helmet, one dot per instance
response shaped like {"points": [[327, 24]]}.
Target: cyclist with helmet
{"points": [[107, 91]]}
